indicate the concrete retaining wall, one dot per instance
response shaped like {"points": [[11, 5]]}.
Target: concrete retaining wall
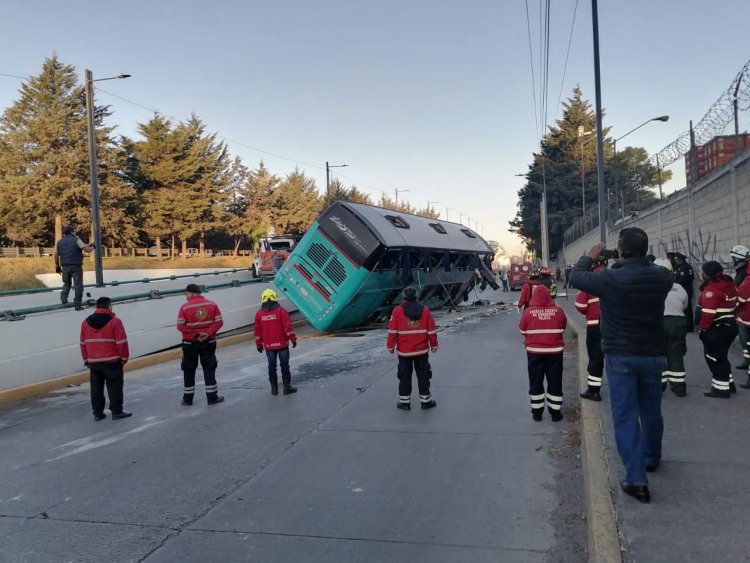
{"points": [[45, 346], [703, 222]]}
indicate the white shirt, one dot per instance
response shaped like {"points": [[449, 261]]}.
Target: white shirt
{"points": [[676, 302]]}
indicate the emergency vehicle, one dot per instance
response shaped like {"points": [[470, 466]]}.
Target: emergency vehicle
{"points": [[272, 248], [519, 275]]}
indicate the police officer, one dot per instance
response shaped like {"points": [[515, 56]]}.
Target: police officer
{"points": [[684, 275], [199, 320], [740, 255], [69, 262]]}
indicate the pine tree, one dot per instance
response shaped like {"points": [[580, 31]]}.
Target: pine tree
{"points": [[295, 204], [44, 163]]}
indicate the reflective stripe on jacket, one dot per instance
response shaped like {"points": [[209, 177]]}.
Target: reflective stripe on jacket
{"points": [[543, 324], [717, 302], [411, 337], [199, 315], [105, 345], [743, 302]]}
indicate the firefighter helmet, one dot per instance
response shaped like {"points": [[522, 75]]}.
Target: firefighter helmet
{"points": [[545, 271], [268, 295], [664, 263], [739, 252]]}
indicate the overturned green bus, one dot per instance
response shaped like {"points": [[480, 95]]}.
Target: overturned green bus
{"points": [[352, 264]]}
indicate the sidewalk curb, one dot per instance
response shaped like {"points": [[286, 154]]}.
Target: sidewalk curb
{"points": [[603, 537], [14, 394]]}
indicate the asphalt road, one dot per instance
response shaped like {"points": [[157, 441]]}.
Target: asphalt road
{"points": [[332, 473]]}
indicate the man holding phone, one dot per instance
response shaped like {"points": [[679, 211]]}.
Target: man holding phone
{"points": [[631, 295]]}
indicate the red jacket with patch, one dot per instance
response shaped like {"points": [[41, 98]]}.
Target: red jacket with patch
{"points": [[717, 302], [199, 315], [412, 330], [273, 328], [588, 305], [103, 339], [526, 291], [543, 324], [743, 302]]}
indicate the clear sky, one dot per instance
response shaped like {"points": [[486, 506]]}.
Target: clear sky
{"points": [[433, 96]]}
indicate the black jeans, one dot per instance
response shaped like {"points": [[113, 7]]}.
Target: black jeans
{"points": [[74, 275], [112, 376], [192, 353], [549, 366], [420, 364]]}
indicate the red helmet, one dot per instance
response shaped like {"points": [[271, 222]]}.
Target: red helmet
{"points": [[545, 271]]}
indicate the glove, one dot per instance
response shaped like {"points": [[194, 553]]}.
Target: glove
{"points": [[260, 349], [391, 351], [433, 350], [294, 343], [58, 270]]}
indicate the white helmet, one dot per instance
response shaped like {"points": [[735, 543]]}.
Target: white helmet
{"points": [[664, 263], [739, 252]]}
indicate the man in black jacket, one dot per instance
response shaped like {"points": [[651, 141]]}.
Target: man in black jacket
{"points": [[631, 295]]}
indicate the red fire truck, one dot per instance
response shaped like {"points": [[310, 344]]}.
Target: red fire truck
{"points": [[519, 275]]}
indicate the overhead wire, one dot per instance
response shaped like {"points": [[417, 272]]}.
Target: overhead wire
{"points": [[567, 54]]}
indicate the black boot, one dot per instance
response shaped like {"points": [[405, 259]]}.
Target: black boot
{"points": [[716, 394], [679, 389], [288, 387], [732, 387], [743, 366], [274, 385], [592, 394]]}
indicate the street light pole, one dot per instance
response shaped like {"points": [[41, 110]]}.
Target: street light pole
{"points": [[328, 177], [663, 119], [93, 174], [599, 130], [446, 212]]}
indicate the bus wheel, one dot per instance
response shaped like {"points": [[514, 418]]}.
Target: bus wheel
{"points": [[254, 271]]}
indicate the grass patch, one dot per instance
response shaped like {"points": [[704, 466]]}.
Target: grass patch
{"points": [[19, 273]]}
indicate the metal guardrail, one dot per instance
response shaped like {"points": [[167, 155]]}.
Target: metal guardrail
{"points": [[116, 283], [20, 314]]}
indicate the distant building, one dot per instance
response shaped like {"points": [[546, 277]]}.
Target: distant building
{"points": [[714, 154]]}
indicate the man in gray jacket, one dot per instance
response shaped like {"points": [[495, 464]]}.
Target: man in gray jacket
{"points": [[631, 295]]}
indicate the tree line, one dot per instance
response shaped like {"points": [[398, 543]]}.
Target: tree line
{"points": [[176, 183], [567, 164]]}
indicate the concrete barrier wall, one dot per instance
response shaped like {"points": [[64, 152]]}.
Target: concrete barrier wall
{"points": [[702, 222], [46, 345]]}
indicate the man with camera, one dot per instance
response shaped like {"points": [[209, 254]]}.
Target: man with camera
{"points": [[631, 297], [69, 263]]}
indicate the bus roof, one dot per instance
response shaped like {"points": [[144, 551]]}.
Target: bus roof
{"points": [[422, 232]]}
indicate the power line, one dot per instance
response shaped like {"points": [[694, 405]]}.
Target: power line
{"points": [[567, 54], [533, 79]]}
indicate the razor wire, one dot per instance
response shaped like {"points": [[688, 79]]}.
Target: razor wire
{"points": [[717, 120]]}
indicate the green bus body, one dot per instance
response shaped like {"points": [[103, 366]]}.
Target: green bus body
{"points": [[346, 272]]}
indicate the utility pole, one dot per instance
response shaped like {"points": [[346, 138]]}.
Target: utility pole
{"points": [[599, 132], [328, 177]]}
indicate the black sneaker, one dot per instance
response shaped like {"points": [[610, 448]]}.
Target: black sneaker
{"points": [[429, 404], [99, 416], [403, 406], [216, 401], [119, 415]]}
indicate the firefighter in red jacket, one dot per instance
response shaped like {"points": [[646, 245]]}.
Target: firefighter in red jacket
{"points": [[588, 305], [104, 349], [199, 320], [273, 332], [743, 318], [527, 290], [718, 327], [412, 335], [543, 324]]}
